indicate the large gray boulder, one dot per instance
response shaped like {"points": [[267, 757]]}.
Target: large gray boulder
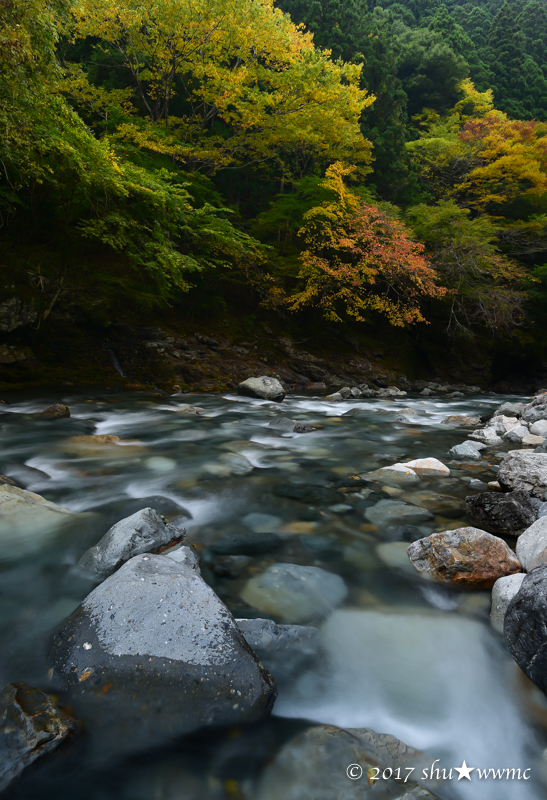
{"points": [[509, 512], [503, 592], [313, 766], [285, 650], [532, 545], [293, 593], [521, 469], [525, 627], [535, 410], [152, 653], [263, 387], [142, 532], [30, 726]]}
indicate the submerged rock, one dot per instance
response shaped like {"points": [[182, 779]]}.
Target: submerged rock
{"points": [[505, 513], [524, 470], [394, 512], [308, 493], [57, 411], [284, 650], [27, 520], [142, 532], [524, 628], [285, 425], [465, 450], [465, 556], [313, 766], [30, 726], [503, 592], [460, 421], [246, 544], [293, 593], [152, 653], [263, 387]]}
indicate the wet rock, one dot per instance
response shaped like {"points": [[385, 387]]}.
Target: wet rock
{"points": [[57, 411], [152, 653], [516, 434], [183, 554], [261, 523], [345, 392], [428, 468], [8, 481], [31, 726], [285, 650], [396, 473], [465, 556], [246, 544], [502, 424], [426, 392], [504, 513], [524, 470], [466, 450], [313, 766], [308, 493], [393, 512], [27, 521], [532, 545], [293, 593], [394, 555], [285, 425], [402, 533], [444, 504], [461, 421], [333, 398], [391, 391], [230, 566], [263, 387], [193, 411], [539, 428], [142, 532], [478, 486], [524, 628], [509, 409], [486, 435], [535, 410], [503, 592]]}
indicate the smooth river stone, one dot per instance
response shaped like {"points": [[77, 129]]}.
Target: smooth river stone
{"points": [[393, 512], [428, 468], [396, 473], [293, 593], [465, 557], [532, 545], [503, 592]]}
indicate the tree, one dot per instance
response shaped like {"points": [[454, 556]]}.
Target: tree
{"points": [[223, 83], [359, 259], [466, 255]]}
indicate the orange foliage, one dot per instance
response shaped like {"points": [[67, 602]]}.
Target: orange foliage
{"points": [[360, 259]]}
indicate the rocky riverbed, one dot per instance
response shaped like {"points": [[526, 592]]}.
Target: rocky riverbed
{"points": [[171, 564]]}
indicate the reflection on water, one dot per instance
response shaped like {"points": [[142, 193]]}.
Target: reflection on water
{"points": [[402, 657]]}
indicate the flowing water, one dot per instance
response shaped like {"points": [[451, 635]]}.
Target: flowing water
{"points": [[401, 656]]}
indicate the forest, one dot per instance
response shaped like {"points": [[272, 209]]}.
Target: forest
{"points": [[344, 162]]}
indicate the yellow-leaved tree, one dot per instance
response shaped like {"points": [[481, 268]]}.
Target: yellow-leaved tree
{"points": [[225, 83]]}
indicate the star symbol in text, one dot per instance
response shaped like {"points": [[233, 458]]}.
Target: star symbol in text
{"points": [[464, 771]]}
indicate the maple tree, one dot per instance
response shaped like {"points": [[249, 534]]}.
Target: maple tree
{"points": [[358, 259]]}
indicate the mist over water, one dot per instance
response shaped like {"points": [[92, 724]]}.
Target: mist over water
{"points": [[402, 656]]}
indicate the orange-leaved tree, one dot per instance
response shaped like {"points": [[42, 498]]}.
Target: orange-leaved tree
{"points": [[359, 259]]}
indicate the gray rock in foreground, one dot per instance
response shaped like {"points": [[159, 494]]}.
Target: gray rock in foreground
{"points": [[285, 650], [30, 726], [521, 469], [163, 654], [293, 593], [142, 532], [505, 513], [532, 545], [263, 387], [525, 627], [503, 592], [313, 766]]}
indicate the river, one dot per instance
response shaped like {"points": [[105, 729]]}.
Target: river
{"points": [[403, 656]]}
